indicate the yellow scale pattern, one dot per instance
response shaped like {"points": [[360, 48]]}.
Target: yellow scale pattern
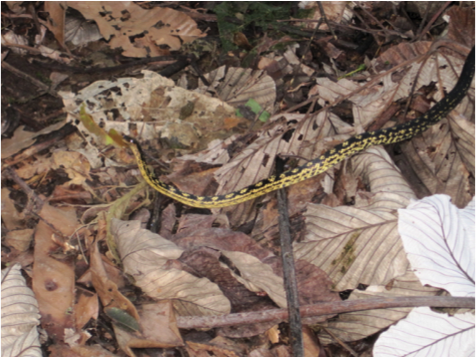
{"points": [[321, 164]]}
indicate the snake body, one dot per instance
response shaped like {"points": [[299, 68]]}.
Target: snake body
{"points": [[322, 163]]}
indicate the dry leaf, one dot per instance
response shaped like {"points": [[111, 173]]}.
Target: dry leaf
{"points": [[159, 329], [10, 216], [237, 85], [56, 20], [149, 103], [53, 280], [75, 164], [256, 161], [23, 139], [19, 239], [447, 166], [360, 244], [137, 31], [149, 258], [106, 288]]}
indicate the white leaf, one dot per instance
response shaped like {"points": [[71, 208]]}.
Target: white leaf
{"points": [[427, 333], [439, 240], [20, 316]]}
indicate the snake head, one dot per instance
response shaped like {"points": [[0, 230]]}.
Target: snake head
{"points": [[133, 144], [129, 140]]}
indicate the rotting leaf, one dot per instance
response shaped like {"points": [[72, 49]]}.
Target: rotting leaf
{"points": [[154, 98]]}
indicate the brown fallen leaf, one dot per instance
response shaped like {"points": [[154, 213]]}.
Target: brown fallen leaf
{"points": [[124, 20], [53, 280]]}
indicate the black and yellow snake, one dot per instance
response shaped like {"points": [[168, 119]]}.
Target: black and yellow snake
{"points": [[321, 164]]}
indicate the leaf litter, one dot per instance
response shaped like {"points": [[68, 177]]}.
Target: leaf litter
{"points": [[340, 247]]}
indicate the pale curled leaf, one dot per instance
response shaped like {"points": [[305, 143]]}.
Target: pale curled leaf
{"points": [[81, 32], [390, 190], [439, 240], [427, 333], [149, 259], [20, 316], [360, 244]]}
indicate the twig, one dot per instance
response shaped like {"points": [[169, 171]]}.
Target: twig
{"points": [[384, 29], [433, 19], [321, 309], [63, 68], [342, 343], [34, 202], [36, 82], [310, 41], [368, 30], [289, 273], [323, 14]]}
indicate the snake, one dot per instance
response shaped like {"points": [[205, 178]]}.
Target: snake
{"points": [[322, 163]]}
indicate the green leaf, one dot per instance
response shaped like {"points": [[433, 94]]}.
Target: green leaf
{"points": [[122, 319]]}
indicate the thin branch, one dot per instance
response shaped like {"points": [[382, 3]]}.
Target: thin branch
{"points": [[322, 309], [289, 273]]}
